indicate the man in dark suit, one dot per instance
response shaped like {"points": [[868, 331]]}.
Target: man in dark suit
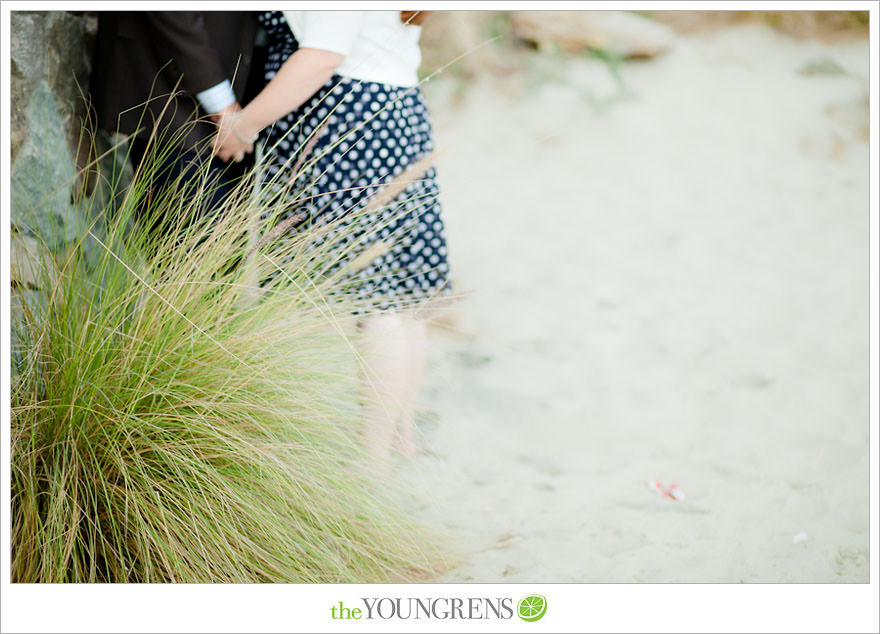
{"points": [[175, 73]]}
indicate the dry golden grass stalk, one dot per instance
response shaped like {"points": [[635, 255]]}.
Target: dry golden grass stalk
{"points": [[399, 183], [372, 252], [379, 200], [307, 149]]}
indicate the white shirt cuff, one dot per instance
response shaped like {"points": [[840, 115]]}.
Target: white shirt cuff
{"points": [[217, 97]]}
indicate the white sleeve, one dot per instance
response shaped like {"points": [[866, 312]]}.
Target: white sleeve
{"points": [[217, 97], [334, 31]]}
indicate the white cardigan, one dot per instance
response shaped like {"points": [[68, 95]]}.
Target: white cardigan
{"points": [[377, 46]]}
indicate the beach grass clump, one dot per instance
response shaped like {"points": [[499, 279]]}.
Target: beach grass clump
{"points": [[173, 419]]}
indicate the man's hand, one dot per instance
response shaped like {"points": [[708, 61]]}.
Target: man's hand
{"points": [[228, 110], [227, 144]]}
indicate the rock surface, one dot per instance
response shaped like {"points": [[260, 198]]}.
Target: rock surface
{"points": [[621, 33], [50, 53], [50, 60], [50, 46]]}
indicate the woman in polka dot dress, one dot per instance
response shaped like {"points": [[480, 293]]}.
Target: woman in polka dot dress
{"points": [[343, 85]]}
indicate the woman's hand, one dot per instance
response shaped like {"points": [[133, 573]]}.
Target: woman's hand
{"points": [[298, 79], [229, 142]]}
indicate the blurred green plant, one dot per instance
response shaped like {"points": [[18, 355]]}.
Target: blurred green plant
{"points": [[554, 65], [175, 420]]}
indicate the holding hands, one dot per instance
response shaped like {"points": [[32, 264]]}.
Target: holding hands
{"points": [[230, 142], [299, 78]]}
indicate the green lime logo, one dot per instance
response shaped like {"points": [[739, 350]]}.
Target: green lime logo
{"points": [[532, 607]]}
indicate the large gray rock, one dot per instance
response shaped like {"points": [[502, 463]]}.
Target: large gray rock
{"points": [[51, 46], [29, 262], [50, 55], [43, 174], [27, 62], [51, 210], [44, 181]]}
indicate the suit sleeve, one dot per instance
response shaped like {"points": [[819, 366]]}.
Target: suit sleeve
{"points": [[182, 35]]}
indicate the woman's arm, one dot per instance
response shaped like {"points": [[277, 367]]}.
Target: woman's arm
{"points": [[299, 78]]}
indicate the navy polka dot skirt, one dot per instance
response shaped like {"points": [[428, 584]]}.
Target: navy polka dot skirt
{"points": [[354, 137]]}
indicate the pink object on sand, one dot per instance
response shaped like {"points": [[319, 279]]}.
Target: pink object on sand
{"points": [[671, 492]]}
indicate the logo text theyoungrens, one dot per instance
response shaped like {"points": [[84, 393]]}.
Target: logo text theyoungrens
{"points": [[426, 608]]}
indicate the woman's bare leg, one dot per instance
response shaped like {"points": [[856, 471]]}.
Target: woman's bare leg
{"points": [[416, 338], [384, 381]]}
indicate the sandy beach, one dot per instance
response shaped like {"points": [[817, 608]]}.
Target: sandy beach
{"points": [[667, 279]]}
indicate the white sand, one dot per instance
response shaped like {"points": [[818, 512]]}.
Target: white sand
{"points": [[673, 286]]}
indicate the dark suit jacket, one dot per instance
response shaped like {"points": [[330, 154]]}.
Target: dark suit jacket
{"points": [[143, 57]]}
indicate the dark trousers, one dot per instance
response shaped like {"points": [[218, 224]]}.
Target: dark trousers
{"points": [[184, 170]]}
